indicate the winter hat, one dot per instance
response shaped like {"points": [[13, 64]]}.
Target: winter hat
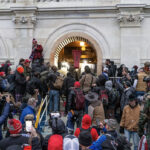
{"points": [[58, 126], [20, 69], [85, 138], [14, 126], [108, 85], [112, 123], [2, 74], [70, 143], [86, 121], [27, 61], [91, 96], [132, 97], [77, 84]]}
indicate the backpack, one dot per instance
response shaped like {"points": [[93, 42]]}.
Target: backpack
{"points": [[70, 142], [87, 130], [109, 143], [58, 82], [104, 97], [55, 142], [114, 95], [79, 99], [123, 143]]}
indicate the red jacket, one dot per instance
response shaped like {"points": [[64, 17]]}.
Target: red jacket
{"points": [[86, 123]]}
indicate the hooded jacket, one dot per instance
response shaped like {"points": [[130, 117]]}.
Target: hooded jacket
{"points": [[58, 128], [86, 124]]}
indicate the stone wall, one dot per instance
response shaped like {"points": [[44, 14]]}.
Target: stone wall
{"points": [[118, 29]]}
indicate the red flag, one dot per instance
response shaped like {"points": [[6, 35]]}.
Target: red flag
{"points": [[76, 56]]}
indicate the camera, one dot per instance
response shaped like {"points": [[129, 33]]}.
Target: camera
{"points": [[146, 79]]}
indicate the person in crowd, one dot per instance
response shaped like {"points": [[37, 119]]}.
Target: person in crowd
{"points": [[20, 82], [37, 50], [140, 85], [86, 126], [21, 62], [128, 90], [30, 117], [144, 123], [110, 68], [58, 128], [27, 69], [68, 83], [6, 67], [85, 140], [130, 119], [95, 109], [102, 91], [120, 69], [4, 84], [105, 73], [15, 138], [113, 96], [30, 109], [70, 142], [5, 112], [87, 80], [126, 76], [76, 106], [134, 72], [54, 93], [100, 144]]}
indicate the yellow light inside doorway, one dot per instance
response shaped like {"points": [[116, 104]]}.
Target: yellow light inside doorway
{"points": [[82, 43]]}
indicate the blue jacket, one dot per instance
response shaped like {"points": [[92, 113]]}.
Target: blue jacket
{"points": [[97, 144], [26, 111], [3, 117]]}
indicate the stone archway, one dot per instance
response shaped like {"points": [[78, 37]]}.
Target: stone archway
{"points": [[64, 40], [85, 31]]}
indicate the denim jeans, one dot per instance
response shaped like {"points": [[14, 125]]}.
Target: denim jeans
{"points": [[71, 122], [135, 137], [54, 100]]}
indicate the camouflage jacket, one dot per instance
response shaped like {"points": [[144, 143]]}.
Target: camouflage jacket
{"points": [[144, 121]]}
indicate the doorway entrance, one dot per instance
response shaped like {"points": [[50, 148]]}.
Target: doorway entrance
{"points": [[64, 58]]}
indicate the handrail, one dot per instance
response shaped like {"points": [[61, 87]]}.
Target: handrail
{"points": [[45, 103]]}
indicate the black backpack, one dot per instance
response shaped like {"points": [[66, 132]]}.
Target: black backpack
{"points": [[120, 143], [109, 143]]}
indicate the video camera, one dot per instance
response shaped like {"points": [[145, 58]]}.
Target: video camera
{"points": [[53, 115], [3, 102], [146, 79]]}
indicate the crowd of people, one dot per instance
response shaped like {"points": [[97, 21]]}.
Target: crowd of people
{"points": [[103, 112]]}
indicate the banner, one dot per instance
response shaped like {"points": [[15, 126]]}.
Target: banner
{"points": [[76, 56]]}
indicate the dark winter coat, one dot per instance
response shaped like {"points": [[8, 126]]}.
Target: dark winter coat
{"points": [[68, 83], [17, 140], [125, 97], [20, 82], [4, 116]]}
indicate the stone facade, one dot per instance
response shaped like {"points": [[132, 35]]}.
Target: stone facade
{"points": [[117, 29]]}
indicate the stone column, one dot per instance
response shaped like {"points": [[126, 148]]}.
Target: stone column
{"points": [[130, 20], [24, 20]]}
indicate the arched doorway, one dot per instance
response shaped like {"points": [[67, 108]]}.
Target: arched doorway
{"points": [[63, 57], [72, 37]]}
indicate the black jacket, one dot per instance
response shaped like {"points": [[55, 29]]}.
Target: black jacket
{"points": [[67, 84], [20, 82], [51, 79], [18, 140]]}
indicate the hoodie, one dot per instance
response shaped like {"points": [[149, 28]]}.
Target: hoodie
{"points": [[86, 124]]}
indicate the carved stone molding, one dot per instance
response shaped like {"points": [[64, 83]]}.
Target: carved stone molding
{"points": [[131, 20], [24, 19]]}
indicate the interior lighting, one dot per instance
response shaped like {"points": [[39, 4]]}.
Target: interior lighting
{"points": [[82, 43]]}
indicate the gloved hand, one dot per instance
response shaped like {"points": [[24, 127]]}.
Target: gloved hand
{"points": [[121, 130]]}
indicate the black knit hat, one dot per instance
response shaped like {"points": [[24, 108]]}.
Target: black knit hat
{"points": [[85, 138]]}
